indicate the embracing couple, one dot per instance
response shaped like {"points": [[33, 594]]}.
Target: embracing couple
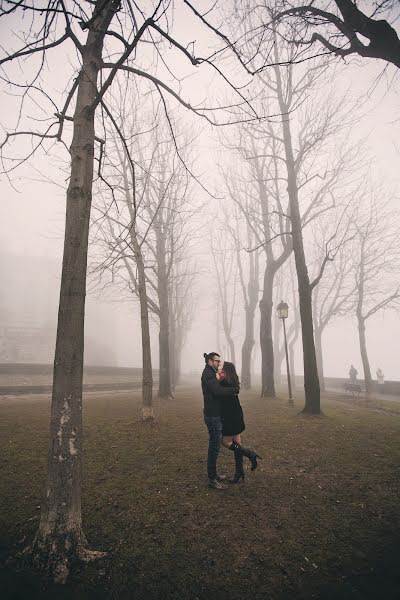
{"points": [[223, 416]]}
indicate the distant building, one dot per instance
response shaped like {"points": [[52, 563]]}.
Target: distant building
{"points": [[29, 296]]}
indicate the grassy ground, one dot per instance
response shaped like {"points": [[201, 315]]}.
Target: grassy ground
{"points": [[319, 518]]}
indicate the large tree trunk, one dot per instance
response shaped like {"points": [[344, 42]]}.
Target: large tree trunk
{"points": [[267, 348], [60, 538], [364, 355], [319, 355], [311, 381]]}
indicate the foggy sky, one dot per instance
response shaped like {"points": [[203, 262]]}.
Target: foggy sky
{"points": [[32, 223]]}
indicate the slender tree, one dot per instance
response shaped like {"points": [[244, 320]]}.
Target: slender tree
{"points": [[332, 297], [123, 246], [295, 179], [250, 286], [257, 199], [167, 202], [376, 267]]}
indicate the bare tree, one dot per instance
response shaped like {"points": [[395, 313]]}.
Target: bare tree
{"points": [[152, 236], [168, 207], [299, 176], [250, 286], [332, 297], [296, 177], [257, 200], [84, 29], [376, 268], [340, 28], [119, 232]]}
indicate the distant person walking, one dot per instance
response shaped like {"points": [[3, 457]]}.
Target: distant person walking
{"points": [[353, 374], [233, 421], [213, 394], [380, 377]]}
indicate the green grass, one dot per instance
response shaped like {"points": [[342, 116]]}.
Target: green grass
{"points": [[318, 519]]}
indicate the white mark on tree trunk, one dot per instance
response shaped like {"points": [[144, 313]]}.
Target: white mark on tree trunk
{"points": [[66, 412], [72, 450], [65, 416]]}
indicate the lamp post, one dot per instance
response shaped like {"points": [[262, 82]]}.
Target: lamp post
{"points": [[283, 311]]}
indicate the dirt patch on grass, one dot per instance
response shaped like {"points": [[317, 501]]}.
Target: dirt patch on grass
{"points": [[318, 519]]}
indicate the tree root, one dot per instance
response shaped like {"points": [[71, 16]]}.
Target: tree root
{"points": [[86, 555], [147, 413], [56, 555]]}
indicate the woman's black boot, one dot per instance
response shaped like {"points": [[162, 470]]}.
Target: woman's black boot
{"points": [[239, 472], [250, 454]]}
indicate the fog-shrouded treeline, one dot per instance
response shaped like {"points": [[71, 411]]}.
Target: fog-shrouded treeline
{"points": [[142, 212], [285, 203]]}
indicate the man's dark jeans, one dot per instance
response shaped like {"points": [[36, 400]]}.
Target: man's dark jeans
{"points": [[214, 426]]}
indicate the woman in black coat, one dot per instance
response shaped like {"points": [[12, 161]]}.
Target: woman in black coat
{"points": [[233, 422]]}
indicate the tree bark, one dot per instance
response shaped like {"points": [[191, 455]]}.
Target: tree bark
{"points": [[60, 538]]}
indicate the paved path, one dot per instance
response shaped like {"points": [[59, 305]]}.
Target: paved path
{"points": [[373, 395], [18, 390]]}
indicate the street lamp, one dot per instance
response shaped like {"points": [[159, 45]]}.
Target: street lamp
{"points": [[283, 311]]}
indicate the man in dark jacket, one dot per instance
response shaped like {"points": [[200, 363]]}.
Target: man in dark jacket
{"points": [[212, 394]]}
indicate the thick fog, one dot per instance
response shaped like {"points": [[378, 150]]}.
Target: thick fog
{"points": [[32, 214]]}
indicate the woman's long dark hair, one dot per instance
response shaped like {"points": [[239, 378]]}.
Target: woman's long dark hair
{"points": [[231, 376]]}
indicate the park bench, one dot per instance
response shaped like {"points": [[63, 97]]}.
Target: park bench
{"points": [[353, 388]]}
